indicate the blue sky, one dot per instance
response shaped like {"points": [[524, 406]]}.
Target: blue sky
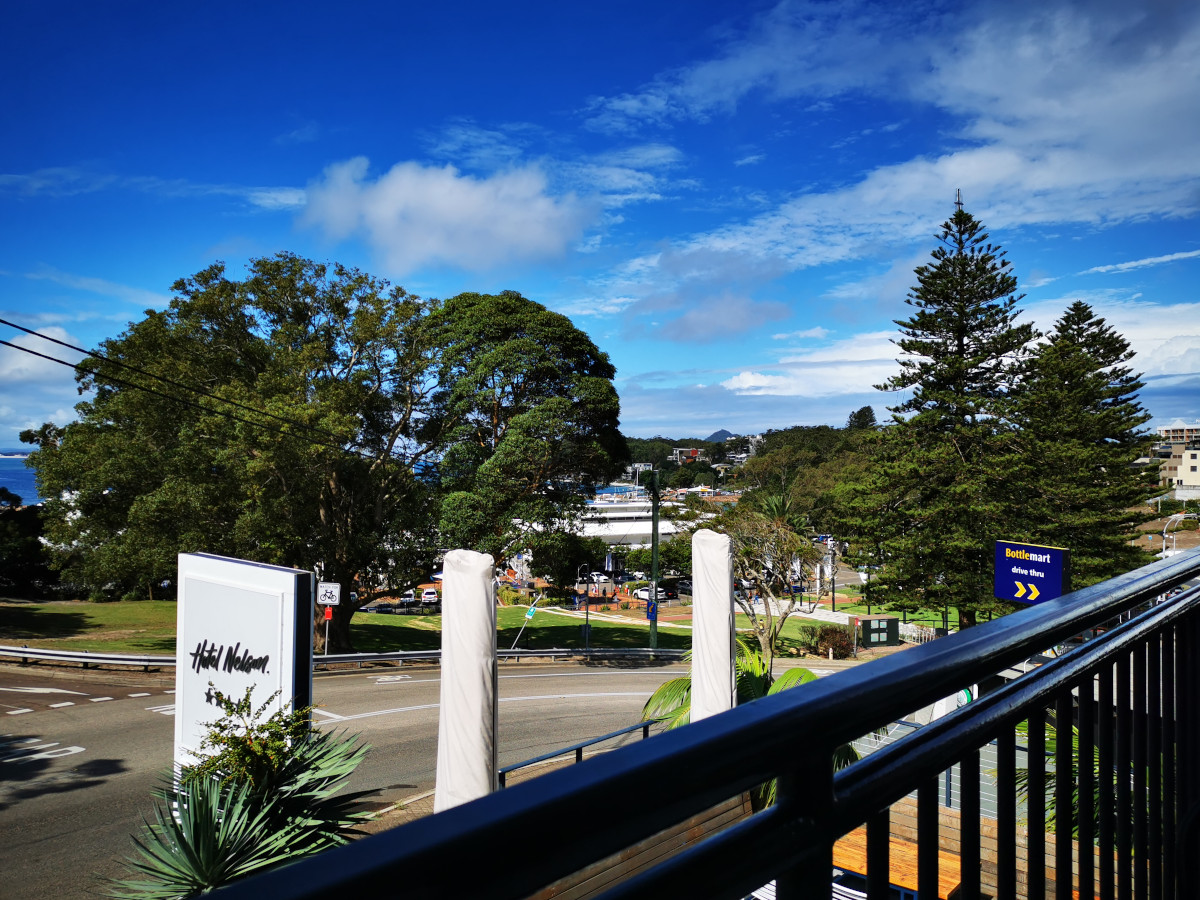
{"points": [[730, 198]]}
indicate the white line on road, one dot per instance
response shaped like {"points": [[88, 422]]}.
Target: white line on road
{"points": [[42, 690], [17, 712], [589, 674], [321, 712], [140, 695], [403, 709], [168, 710], [100, 699], [61, 705]]}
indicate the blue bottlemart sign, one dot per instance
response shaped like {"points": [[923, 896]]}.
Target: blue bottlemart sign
{"points": [[1029, 573]]}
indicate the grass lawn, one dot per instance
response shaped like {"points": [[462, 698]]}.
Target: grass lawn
{"points": [[148, 626]]}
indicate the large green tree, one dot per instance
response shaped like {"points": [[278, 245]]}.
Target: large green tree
{"points": [[1079, 433], [282, 418], [531, 416], [936, 496]]}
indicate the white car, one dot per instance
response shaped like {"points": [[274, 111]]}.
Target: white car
{"points": [[599, 578], [430, 595], [663, 594]]}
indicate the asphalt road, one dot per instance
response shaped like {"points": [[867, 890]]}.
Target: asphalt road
{"points": [[80, 752]]}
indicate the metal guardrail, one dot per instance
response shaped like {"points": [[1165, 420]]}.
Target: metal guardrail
{"points": [[1133, 693], [577, 749], [145, 660], [88, 659]]}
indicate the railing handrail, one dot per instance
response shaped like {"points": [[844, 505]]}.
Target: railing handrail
{"points": [[643, 727], [688, 770]]}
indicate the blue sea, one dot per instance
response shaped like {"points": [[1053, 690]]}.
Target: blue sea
{"points": [[17, 478]]}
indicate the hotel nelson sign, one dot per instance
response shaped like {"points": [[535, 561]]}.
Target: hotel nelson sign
{"points": [[1029, 573], [241, 625]]}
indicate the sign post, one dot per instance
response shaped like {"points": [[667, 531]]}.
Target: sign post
{"points": [[329, 595], [1031, 573]]}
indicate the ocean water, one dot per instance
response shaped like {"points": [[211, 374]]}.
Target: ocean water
{"points": [[17, 478]]}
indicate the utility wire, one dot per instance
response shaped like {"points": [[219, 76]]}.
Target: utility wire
{"points": [[162, 378], [228, 415]]}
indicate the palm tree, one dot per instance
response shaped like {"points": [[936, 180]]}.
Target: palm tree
{"points": [[671, 704]]}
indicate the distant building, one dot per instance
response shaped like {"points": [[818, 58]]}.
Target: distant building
{"points": [[1179, 463], [1179, 431], [683, 455]]}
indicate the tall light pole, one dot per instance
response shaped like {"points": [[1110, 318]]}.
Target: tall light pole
{"points": [[653, 558]]}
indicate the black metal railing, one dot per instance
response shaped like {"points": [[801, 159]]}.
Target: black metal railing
{"points": [[576, 749], [1126, 705]]}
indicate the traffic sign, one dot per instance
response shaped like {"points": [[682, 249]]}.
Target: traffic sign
{"points": [[530, 612], [328, 613], [1031, 573], [652, 610], [329, 593]]}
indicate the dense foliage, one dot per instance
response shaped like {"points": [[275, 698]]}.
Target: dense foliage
{"points": [[320, 418], [996, 440]]}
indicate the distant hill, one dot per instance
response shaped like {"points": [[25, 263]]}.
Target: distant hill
{"points": [[717, 436]]}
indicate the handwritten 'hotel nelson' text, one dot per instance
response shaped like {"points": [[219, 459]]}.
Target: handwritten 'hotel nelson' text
{"points": [[228, 659]]}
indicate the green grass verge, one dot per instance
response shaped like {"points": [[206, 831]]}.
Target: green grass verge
{"points": [[149, 627]]}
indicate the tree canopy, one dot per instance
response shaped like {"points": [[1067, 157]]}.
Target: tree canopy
{"points": [[998, 439], [316, 417], [531, 415]]}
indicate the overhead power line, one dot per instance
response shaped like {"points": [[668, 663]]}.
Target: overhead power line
{"points": [[162, 378], [78, 367]]}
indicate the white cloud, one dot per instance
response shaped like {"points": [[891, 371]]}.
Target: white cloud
{"points": [[69, 181], [101, 286], [750, 160], [818, 333], [1143, 263], [852, 365], [414, 215], [34, 385]]}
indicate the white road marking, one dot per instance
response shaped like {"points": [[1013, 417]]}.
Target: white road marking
{"points": [[42, 690], [168, 710], [589, 674], [404, 709], [61, 705], [326, 713], [29, 754], [100, 699], [168, 692], [144, 694], [17, 712], [389, 679]]}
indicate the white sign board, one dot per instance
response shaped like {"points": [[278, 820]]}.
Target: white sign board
{"points": [[329, 593], [239, 625]]}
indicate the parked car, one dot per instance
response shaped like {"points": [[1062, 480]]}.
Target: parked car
{"points": [[624, 578], [408, 598], [684, 585], [599, 578], [430, 595], [663, 594]]}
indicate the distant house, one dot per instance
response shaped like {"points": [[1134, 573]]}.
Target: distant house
{"points": [[684, 455]]}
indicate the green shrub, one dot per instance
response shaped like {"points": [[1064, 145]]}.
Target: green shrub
{"points": [[836, 638], [605, 608], [508, 597], [265, 797], [808, 636], [624, 604]]}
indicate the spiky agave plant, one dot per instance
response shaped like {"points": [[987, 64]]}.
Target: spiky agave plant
{"points": [[245, 809]]}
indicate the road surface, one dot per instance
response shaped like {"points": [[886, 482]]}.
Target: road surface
{"points": [[80, 752]]}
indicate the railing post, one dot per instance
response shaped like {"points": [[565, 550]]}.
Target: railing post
{"points": [[808, 798]]}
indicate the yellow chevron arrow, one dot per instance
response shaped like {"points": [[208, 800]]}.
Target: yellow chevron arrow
{"points": [[1033, 592], [1020, 589]]}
